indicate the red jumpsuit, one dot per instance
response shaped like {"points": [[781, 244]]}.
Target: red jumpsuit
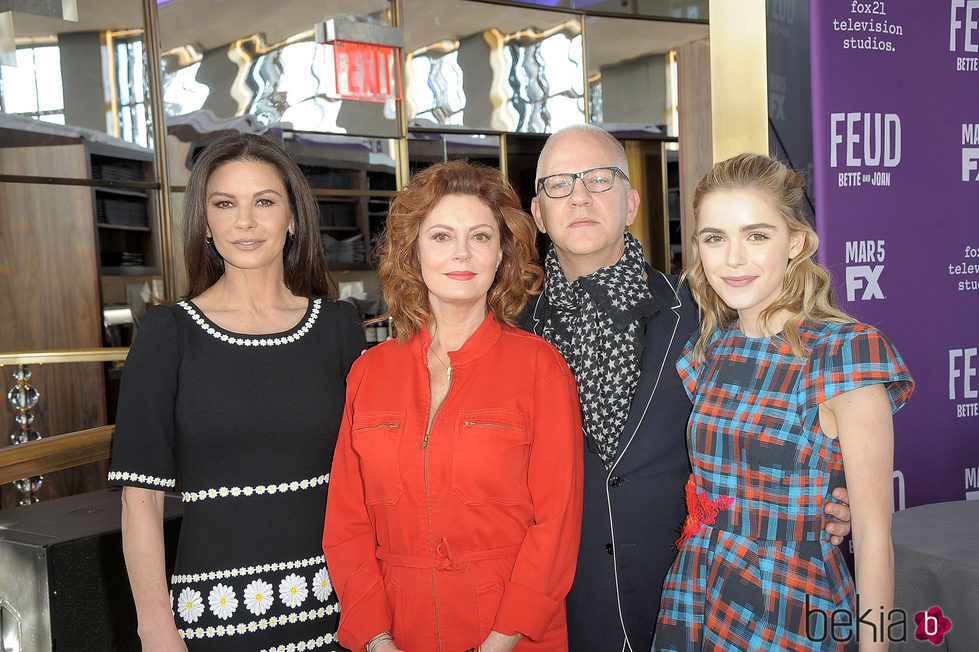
{"points": [[440, 537]]}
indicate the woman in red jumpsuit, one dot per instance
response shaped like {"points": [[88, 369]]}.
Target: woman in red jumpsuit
{"points": [[454, 509]]}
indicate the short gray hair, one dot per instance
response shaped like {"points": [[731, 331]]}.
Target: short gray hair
{"points": [[618, 151]]}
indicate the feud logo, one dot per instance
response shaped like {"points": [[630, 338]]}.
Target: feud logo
{"points": [[864, 278], [865, 139], [963, 387], [964, 34]]}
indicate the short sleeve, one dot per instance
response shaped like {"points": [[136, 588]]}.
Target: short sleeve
{"points": [[849, 358], [143, 443], [687, 370], [352, 334]]}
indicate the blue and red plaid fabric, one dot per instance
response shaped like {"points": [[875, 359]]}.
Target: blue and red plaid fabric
{"points": [[762, 469]]}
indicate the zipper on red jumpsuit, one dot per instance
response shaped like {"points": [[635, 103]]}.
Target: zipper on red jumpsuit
{"points": [[428, 506]]}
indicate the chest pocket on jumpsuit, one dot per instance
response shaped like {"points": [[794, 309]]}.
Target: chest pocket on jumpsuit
{"points": [[376, 438], [491, 454]]}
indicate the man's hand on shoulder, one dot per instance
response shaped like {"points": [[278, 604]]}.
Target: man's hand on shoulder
{"points": [[840, 510]]}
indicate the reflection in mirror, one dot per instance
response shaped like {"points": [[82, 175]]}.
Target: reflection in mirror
{"points": [[261, 66], [522, 152], [426, 148], [353, 180], [632, 71], [498, 67], [87, 75]]}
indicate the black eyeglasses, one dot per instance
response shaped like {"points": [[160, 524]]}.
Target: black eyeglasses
{"points": [[557, 186]]}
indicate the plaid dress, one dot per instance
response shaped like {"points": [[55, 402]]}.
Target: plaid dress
{"points": [[754, 562]]}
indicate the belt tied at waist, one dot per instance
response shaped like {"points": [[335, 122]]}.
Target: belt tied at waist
{"points": [[444, 559], [701, 510]]}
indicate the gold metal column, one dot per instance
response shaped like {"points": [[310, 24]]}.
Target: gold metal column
{"points": [[738, 77], [164, 215], [584, 66], [402, 168]]}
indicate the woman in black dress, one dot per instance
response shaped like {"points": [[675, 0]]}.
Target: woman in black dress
{"points": [[233, 397]]}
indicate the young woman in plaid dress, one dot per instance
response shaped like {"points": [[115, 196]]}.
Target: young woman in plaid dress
{"points": [[787, 389]]}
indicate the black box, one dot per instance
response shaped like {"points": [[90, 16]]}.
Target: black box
{"points": [[63, 582]]}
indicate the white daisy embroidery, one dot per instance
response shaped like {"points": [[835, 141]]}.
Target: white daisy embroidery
{"points": [[223, 601], [190, 606], [322, 587], [258, 597], [292, 590]]}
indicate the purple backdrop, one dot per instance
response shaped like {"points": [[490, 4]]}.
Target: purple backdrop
{"points": [[895, 88]]}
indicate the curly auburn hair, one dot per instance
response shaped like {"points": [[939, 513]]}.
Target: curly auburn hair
{"points": [[405, 291], [807, 291], [305, 271]]}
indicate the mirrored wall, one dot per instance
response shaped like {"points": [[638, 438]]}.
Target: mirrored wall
{"points": [[78, 205], [456, 79], [259, 66], [87, 76], [492, 67], [76, 122]]}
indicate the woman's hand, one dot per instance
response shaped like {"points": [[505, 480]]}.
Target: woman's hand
{"points": [[383, 642], [497, 642], [142, 545], [162, 641], [387, 646]]}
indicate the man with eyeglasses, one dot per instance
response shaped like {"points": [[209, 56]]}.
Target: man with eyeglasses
{"points": [[621, 325]]}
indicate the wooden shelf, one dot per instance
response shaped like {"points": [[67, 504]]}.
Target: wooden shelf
{"points": [[123, 227], [348, 229], [349, 267], [122, 191], [131, 270]]}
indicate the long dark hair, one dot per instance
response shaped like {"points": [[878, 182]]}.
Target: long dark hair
{"points": [[306, 273]]}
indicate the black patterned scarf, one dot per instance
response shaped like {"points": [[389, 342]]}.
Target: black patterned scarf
{"points": [[597, 323]]}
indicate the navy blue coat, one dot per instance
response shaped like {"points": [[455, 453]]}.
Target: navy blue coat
{"points": [[633, 512]]}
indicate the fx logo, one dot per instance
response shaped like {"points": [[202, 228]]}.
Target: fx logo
{"points": [[866, 278], [970, 163]]}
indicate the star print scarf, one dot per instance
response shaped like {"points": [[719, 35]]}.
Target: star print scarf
{"points": [[597, 323]]}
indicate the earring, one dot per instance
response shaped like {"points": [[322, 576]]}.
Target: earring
{"points": [[208, 240], [290, 236]]}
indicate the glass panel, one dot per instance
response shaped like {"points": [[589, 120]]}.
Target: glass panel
{"points": [[426, 148], [352, 179], [265, 69], [522, 153], [690, 9], [84, 80], [494, 67], [631, 72]]}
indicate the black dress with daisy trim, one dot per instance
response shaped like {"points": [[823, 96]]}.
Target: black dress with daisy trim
{"points": [[244, 427]]}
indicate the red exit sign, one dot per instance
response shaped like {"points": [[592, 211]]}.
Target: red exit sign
{"points": [[366, 71]]}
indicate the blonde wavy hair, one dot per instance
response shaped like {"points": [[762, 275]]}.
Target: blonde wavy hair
{"points": [[807, 291], [405, 292]]}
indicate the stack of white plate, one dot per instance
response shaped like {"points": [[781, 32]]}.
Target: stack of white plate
{"points": [[347, 250]]}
